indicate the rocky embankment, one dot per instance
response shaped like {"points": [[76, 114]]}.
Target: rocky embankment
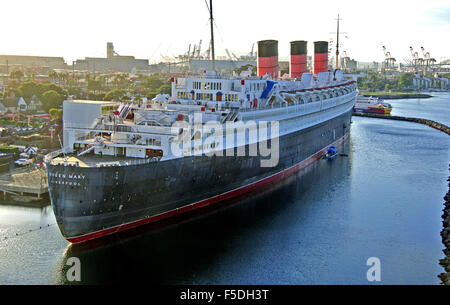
{"points": [[432, 124], [445, 233], [399, 96]]}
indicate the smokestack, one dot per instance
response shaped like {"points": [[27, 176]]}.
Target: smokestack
{"points": [[320, 56], [268, 58], [298, 58], [109, 50]]}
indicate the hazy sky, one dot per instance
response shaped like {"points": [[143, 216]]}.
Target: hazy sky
{"points": [[146, 29]]}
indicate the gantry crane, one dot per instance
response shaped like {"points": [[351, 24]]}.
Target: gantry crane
{"points": [[199, 49], [416, 59], [427, 58], [390, 61]]}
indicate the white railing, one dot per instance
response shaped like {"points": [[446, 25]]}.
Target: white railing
{"points": [[48, 157], [299, 109]]}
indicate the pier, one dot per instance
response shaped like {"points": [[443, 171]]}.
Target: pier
{"points": [[26, 184]]}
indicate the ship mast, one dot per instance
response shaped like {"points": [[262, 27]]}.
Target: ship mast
{"points": [[213, 60], [337, 45]]}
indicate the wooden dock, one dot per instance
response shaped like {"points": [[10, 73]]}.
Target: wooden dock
{"points": [[24, 182]]}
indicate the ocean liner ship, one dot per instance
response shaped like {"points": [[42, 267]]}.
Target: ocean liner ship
{"points": [[123, 165]]}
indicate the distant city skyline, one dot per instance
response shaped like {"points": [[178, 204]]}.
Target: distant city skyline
{"points": [[148, 30]]}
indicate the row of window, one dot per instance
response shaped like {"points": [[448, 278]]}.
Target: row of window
{"points": [[207, 85], [204, 96], [207, 96], [183, 95], [257, 86], [230, 97]]}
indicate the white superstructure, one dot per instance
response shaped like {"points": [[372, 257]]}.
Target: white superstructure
{"points": [[148, 129]]}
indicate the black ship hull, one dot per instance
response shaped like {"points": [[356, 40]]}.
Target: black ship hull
{"points": [[93, 202]]}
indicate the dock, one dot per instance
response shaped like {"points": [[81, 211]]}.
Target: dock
{"points": [[25, 184]]}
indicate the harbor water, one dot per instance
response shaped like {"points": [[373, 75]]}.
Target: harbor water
{"points": [[318, 227]]}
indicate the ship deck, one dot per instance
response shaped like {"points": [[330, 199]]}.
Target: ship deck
{"points": [[96, 161]]}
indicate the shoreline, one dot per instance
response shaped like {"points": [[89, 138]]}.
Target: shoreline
{"points": [[430, 123], [388, 96], [445, 234]]}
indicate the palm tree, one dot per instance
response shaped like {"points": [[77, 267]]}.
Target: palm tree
{"points": [[16, 74], [52, 75]]}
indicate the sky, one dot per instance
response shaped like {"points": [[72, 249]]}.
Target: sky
{"points": [[149, 29]]}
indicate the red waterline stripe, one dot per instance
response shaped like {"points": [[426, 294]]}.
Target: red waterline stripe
{"points": [[199, 204]]}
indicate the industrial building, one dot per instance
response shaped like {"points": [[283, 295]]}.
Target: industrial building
{"points": [[33, 61], [199, 65], [112, 63]]}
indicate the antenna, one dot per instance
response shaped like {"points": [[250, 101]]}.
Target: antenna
{"points": [[211, 20], [337, 41], [337, 44]]}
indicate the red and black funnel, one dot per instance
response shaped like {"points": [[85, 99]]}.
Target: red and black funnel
{"points": [[299, 52], [320, 56], [268, 58]]}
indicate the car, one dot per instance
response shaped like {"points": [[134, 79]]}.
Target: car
{"points": [[24, 156], [23, 162]]}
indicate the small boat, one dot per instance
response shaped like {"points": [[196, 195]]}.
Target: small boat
{"points": [[372, 105], [331, 153]]}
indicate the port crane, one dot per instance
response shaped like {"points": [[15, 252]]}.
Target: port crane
{"points": [[207, 53], [229, 54], [427, 57], [389, 60], [199, 49], [188, 52], [416, 59]]}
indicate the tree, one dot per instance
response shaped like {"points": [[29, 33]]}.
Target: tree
{"points": [[28, 89], [94, 85], [388, 87], [406, 80], [164, 89], [121, 80], [16, 74], [64, 76], [53, 75], [49, 86], [11, 92], [51, 99], [96, 96], [114, 95]]}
